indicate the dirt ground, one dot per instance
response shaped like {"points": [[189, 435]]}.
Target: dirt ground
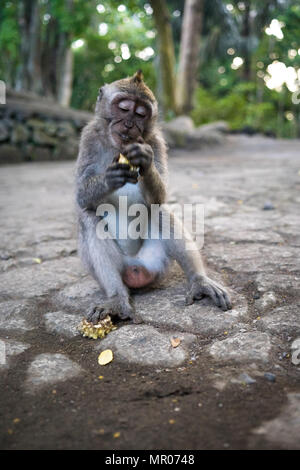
{"points": [[213, 394]]}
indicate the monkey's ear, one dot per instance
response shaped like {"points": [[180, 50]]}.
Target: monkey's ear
{"points": [[138, 77]]}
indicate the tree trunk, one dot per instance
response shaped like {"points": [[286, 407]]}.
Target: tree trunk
{"points": [[49, 56], [29, 74], [64, 75], [65, 72], [166, 52], [22, 80], [189, 55], [34, 59], [245, 33]]}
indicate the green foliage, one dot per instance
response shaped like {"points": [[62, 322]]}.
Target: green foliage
{"points": [[242, 112], [73, 16], [9, 41], [100, 59], [239, 96], [243, 99]]}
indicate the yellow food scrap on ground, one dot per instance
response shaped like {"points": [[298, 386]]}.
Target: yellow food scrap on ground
{"points": [[99, 330], [105, 357], [117, 434], [171, 421], [37, 260], [16, 420], [100, 431], [175, 342]]}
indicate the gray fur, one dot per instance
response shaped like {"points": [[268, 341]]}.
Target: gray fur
{"points": [[104, 259]]}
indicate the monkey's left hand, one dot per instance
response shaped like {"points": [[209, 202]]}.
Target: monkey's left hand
{"points": [[139, 154]]}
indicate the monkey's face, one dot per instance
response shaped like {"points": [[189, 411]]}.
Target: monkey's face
{"points": [[130, 116]]}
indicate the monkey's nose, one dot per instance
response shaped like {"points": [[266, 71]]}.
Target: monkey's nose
{"points": [[128, 124]]}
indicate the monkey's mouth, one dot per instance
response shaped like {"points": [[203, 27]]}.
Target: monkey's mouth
{"points": [[124, 137]]}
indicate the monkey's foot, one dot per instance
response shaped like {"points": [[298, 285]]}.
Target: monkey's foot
{"points": [[114, 307], [137, 276], [203, 285]]}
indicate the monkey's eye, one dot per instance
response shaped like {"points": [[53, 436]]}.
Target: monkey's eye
{"points": [[141, 111], [124, 105]]}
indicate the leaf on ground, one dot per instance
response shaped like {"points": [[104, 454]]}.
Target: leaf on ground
{"points": [[175, 342], [105, 357]]}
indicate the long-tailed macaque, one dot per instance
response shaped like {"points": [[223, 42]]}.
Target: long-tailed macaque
{"points": [[125, 122]]}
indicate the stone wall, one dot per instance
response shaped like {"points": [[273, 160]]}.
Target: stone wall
{"points": [[34, 128]]}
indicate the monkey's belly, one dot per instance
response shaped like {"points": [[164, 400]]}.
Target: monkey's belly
{"points": [[129, 247], [131, 191], [129, 244]]}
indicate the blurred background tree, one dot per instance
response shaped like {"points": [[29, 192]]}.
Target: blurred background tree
{"points": [[212, 59]]}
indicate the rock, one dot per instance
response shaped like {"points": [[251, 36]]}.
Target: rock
{"points": [[62, 323], [284, 430], [175, 132], [65, 130], [295, 347], [245, 378], [267, 301], [284, 282], [40, 137], [268, 206], [242, 347], [66, 150], [80, 296], [281, 320], [217, 126], [10, 154], [13, 315], [144, 345], [36, 123], [180, 123], [202, 138], [50, 368], [295, 344], [51, 127], [54, 249], [20, 134], [41, 279], [181, 132], [34, 152], [10, 348], [270, 377], [4, 133], [167, 308], [254, 257]]}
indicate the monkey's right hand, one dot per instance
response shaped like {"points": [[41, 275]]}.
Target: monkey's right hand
{"points": [[201, 285], [118, 174]]}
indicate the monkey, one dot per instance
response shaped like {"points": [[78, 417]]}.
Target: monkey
{"points": [[125, 121]]}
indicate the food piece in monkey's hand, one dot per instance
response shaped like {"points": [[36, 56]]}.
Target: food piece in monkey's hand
{"points": [[100, 330], [123, 159]]}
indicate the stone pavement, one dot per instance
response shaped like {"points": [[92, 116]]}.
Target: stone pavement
{"points": [[250, 189]]}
